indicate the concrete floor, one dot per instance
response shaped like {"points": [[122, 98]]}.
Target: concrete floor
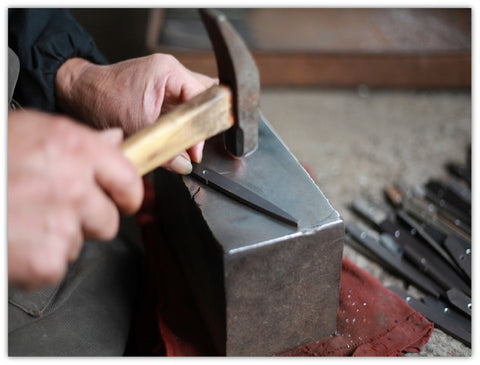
{"points": [[356, 142]]}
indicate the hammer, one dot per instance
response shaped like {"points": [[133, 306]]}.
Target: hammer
{"points": [[231, 107]]}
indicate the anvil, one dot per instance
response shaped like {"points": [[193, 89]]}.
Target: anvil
{"points": [[261, 286]]}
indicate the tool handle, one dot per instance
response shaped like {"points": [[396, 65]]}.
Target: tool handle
{"points": [[202, 117]]}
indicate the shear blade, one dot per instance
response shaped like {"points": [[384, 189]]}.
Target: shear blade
{"points": [[241, 194]]}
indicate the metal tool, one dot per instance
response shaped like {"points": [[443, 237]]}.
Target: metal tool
{"points": [[460, 301], [460, 190], [237, 69], [232, 106], [450, 196], [424, 257], [423, 211], [460, 171], [451, 212], [440, 313], [260, 287], [422, 231], [430, 227], [393, 257], [461, 254], [241, 194], [388, 253], [456, 251]]}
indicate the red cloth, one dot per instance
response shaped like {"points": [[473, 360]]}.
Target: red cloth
{"points": [[371, 320]]}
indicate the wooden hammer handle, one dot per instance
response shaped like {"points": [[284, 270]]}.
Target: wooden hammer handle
{"points": [[202, 117]]}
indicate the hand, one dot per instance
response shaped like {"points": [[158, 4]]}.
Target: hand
{"points": [[130, 94], [65, 182]]}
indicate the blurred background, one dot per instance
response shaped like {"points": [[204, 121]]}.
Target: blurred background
{"points": [[363, 97], [408, 48]]}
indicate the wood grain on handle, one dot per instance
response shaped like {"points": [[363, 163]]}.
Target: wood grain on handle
{"points": [[202, 117]]}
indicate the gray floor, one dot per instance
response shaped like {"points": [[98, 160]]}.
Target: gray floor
{"points": [[356, 142]]}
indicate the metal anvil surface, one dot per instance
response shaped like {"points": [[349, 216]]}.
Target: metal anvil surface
{"points": [[262, 286]]}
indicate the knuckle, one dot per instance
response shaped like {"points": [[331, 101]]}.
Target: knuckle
{"points": [[64, 232], [134, 192], [69, 190], [131, 177], [65, 134], [75, 189], [69, 229], [47, 266], [56, 269], [164, 59], [169, 65]]}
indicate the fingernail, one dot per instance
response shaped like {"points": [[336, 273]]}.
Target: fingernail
{"points": [[181, 165], [113, 136]]}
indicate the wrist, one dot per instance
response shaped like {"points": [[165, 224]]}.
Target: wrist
{"points": [[67, 76], [75, 89]]}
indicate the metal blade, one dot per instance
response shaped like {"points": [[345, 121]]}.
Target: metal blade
{"points": [[422, 232], [426, 258], [460, 254], [422, 255], [393, 260], [241, 194], [439, 313], [460, 301]]}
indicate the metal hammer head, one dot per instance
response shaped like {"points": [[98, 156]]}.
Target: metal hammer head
{"points": [[237, 69]]}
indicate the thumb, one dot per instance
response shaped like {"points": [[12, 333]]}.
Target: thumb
{"points": [[113, 136]]}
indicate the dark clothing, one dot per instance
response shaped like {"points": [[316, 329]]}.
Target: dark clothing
{"points": [[87, 314], [43, 40]]}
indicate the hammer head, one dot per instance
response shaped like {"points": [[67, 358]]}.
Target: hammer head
{"points": [[237, 69]]}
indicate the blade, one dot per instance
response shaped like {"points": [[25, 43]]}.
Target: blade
{"points": [[420, 231], [241, 194], [461, 255], [446, 319], [460, 301], [425, 258], [393, 259], [422, 255]]}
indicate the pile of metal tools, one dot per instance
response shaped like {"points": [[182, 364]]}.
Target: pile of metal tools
{"points": [[423, 235]]}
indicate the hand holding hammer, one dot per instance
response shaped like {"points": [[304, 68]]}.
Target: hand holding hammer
{"points": [[231, 107]]}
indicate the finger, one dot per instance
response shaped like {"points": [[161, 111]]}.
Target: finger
{"points": [[205, 80], [64, 223], [99, 216], [119, 178], [62, 231], [111, 169], [113, 136], [75, 247], [196, 152], [180, 164], [195, 84], [39, 255]]}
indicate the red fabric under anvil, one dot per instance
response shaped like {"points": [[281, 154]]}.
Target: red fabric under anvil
{"points": [[371, 320]]}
